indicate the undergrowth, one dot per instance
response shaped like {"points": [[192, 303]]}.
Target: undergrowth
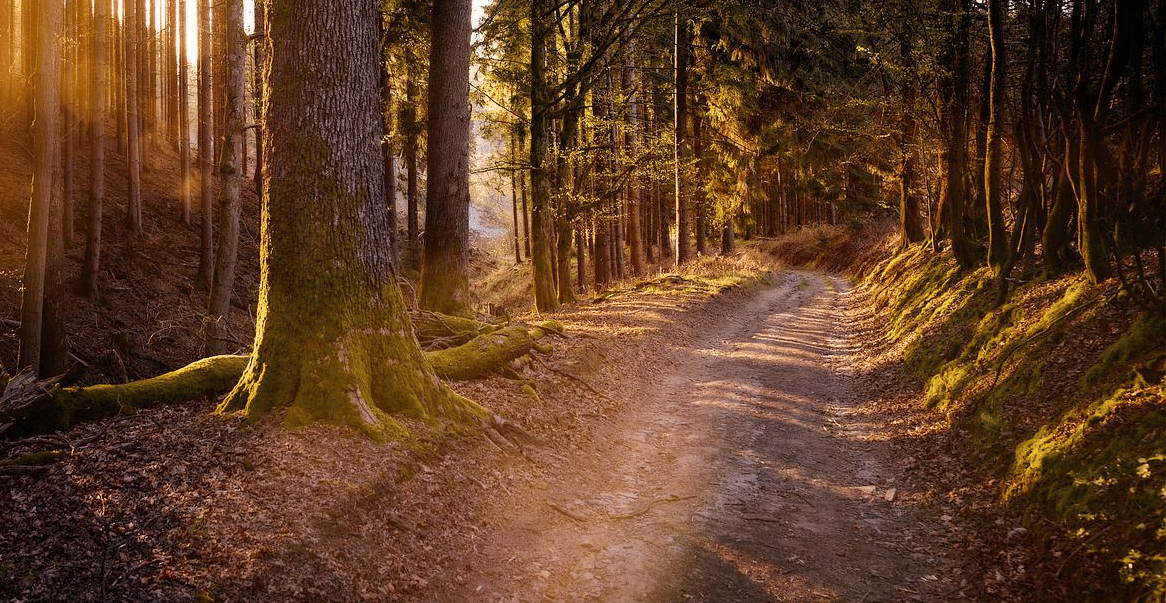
{"points": [[1060, 389]]}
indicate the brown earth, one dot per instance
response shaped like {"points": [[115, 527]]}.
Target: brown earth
{"points": [[745, 467], [731, 448]]}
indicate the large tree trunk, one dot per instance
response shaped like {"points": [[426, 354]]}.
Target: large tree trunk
{"points": [[223, 285], [545, 296], [333, 340], [445, 281], [46, 146], [91, 266]]}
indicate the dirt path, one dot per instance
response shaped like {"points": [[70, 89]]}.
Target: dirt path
{"points": [[744, 473]]}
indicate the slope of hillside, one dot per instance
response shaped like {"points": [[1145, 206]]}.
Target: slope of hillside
{"points": [[149, 318]]}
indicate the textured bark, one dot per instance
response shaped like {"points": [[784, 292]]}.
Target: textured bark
{"points": [[91, 267], [230, 177], [910, 224], [993, 178], [953, 106], [545, 296], [257, 86], [46, 144], [445, 281], [133, 218], [333, 341], [206, 145]]}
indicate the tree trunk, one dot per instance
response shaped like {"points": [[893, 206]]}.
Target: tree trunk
{"points": [[445, 284], [257, 85], [910, 224], [997, 243], [91, 266], [683, 204], [333, 340], [133, 219], [522, 193], [206, 145], [409, 124], [184, 120], [514, 197], [953, 104], [545, 296], [230, 178], [70, 97], [46, 142], [632, 140]]}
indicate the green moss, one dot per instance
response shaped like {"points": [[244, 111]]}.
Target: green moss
{"points": [[1101, 470], [44, 457], [1147, 332]]}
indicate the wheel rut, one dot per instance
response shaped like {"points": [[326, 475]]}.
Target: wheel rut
{"points": [[745, 472]]}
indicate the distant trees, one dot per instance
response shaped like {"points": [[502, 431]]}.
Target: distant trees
{"points": [[822, 112]]}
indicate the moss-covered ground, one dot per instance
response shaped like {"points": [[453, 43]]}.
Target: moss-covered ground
{"points": [[1059, 390]]}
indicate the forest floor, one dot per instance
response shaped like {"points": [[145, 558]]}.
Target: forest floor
{"points": [[749, 464], [745, 446]]}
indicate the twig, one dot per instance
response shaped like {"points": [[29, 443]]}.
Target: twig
{"points": [[570, 376], [672, 498], [574, 516]]}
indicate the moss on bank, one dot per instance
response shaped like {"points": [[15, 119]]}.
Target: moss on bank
{"points": [[1060, 392]]}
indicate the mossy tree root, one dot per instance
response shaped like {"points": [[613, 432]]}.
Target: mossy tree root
{"points": [[488, 353], [449, 331], [58, 407], [55, 407]]}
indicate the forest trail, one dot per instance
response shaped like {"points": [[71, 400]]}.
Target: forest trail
{"points": [[743, 472]]}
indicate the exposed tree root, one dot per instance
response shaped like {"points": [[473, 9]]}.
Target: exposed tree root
{"points": [[29, 406]]}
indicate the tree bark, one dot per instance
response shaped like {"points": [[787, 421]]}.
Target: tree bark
{"points": [[46, 143], [910, 224], [632, 140], [133, 219], [91, 266], [184, 119], [997, 242], [412, 187], [333, 340], [206, 145], [230, 189], [545, 296], [445, 282]]}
